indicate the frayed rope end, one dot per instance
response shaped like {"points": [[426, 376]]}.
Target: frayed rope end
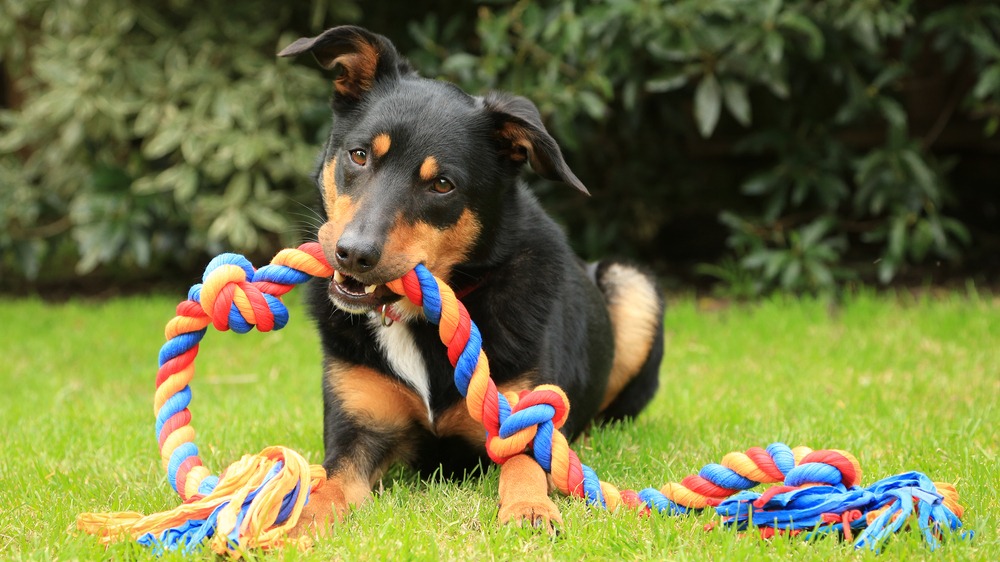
{"points": [[255, 504]]}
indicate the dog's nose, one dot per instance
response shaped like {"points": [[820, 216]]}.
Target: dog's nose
{"points": [[356, 255]]}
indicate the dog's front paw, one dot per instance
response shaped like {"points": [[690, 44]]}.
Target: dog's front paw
{"points": [[326, 506], [540, 513]]}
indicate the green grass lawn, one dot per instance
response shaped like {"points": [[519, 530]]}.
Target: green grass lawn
{"points": [[903, 383]]}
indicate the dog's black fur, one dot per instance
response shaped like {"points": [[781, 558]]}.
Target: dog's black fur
{"points": [[416, 170]]}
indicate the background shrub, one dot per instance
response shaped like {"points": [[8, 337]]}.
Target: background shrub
{"points": [[151, 133], [790, 145]]}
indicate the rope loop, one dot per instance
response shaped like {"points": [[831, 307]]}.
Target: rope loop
{"points": [[256, 501]]}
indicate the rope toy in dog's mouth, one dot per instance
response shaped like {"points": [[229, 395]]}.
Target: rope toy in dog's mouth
{"points": [[256, 501]]}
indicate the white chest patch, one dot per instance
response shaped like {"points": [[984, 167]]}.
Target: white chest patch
{"points": [[399, 347]]}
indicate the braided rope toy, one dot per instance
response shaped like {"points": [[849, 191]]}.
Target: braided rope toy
{"points": [[256, 501]]}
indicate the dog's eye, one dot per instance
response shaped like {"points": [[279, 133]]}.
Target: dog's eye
{"points": [[442, 185], [359, 156]]}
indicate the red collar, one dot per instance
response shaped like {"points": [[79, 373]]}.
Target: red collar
{"points": [[389, 314], [465, 291]]}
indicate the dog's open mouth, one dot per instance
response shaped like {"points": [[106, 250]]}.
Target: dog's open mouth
{"points": [[354, 295]]}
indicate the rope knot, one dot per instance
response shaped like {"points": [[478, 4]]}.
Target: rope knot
{"points": [[229, 296], [829, 467], [524, 417], [544, 396]]}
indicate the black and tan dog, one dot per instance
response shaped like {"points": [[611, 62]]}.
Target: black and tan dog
{"points": [[418, 171]]}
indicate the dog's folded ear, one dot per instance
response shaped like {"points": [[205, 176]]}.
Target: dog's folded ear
{"points": [[520, 129], [362, 57]]}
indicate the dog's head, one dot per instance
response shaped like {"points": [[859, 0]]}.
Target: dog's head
{"points": [[415, 170]]}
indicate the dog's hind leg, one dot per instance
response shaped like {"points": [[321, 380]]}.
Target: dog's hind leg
{"points": [[636, 310], [524, 494]]}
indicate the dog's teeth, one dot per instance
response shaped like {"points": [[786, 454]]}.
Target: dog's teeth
{"points": [[338, 276], [369, 289]]}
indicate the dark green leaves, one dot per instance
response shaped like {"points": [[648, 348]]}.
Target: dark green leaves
{"points": [[809, 127], [149, 132]]}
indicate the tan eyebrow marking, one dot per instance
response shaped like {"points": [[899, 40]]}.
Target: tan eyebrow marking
{"points": [[381, 144], [429, 169]]}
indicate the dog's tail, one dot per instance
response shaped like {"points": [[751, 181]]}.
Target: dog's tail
{"points": [[635, 305]]}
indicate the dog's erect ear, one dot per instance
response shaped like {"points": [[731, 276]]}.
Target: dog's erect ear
{"points": [[520, 128], [363, 57]]}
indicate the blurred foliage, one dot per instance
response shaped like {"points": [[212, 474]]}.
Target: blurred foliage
{"points": [[815, 93], [153, 131]]}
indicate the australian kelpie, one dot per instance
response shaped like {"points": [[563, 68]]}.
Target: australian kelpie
{"points": [[416, 171]]}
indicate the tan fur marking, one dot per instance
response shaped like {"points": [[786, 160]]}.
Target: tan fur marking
{"points": [[339, 214], [380, 401], [354, 487], [521, 146], [332, 501], [329, 178], [359, 68], [456, 422], [381, 144], [429, 168], [439, 249], [524, 494], [632, 304]]}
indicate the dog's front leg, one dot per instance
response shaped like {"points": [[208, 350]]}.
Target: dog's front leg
{"points": [[332, 501], [524, 494], [368, 425], [358, 454]]}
